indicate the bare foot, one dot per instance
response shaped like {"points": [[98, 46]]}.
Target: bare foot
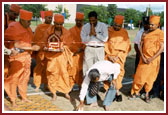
{"points": [[26, 100], [37, 89], [54, 97], [93, 104], [67, 96], [14, 104], [107, 108]]}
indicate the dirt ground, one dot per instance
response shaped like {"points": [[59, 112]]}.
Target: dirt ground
{"points": [[126, 105], [63, 104]]}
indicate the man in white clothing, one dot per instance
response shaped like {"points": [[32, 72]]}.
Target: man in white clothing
{"points": [[93, 34], [100, 71]]}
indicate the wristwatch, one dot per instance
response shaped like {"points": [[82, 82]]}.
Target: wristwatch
{"points": [[19, 50]]}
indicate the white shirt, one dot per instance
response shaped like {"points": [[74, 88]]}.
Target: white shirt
{"points": [[137, 39], [105, 68], [101, 30]]}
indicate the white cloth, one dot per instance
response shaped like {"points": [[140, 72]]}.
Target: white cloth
{"points": [[101, 30], [105, 68], [7, 51], [137, 39]]}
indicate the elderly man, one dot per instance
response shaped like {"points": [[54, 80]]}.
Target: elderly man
{"points": [[100, 71], [39, 74], [151, 46], [20, 35], [93, 35], [77, 49], [117, 48], [11, 15], [57, 62]]}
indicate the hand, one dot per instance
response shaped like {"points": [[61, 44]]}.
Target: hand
{"points": [[113, 59], [144, 60], [35, 47], [80, 107], [114, 83], [92, 31], [149, 60], [14, 52], [62, 49], [45, 49]]}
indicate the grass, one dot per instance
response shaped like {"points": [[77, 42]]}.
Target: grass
{"points": [[34, 25]]}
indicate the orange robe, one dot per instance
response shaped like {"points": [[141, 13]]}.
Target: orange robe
{"points": [[146, 74], [57, 63], [77, 75], [39, 74], [6, 57], [19, 65], [118, 44]]}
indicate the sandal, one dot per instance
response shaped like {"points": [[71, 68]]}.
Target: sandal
{"points": [[147, 100], [133, 97]]}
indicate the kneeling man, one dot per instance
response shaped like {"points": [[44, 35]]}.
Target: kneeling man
{"points": [[100, 71]]}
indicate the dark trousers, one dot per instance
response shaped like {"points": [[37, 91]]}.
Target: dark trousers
{"points": [[157, 87]]}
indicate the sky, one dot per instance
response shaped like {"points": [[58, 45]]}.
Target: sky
{"points": [[142, 7]]}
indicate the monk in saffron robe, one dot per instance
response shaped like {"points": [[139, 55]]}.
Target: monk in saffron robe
{"points": [[57, 62], [151, 46], [39, 74], [9, 17], [117, 48], [78, 50], [19, 65]]}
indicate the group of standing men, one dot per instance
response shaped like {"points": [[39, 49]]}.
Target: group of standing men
{"points": [[81, 59]]}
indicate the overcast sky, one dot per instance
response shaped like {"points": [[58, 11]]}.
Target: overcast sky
{"points": [[142, 7]]}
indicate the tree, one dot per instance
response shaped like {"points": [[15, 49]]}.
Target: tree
{"points": [[59, 11], [132, 14], [100, 9], [6, 7], [161, 18], [112, 10], [35, 8]]}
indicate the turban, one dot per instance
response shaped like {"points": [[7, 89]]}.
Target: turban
{"points": [[59, 18], [79, 15], [25, 15], [119, 19], [15, 8], [154, 19], [48, 13]]}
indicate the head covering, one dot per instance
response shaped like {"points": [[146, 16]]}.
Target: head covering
{"points": [[15, 8], [145, 20], [25, 15], [79, 15], [118, 19], [154, 19], [48, 13], [58, 18]]}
